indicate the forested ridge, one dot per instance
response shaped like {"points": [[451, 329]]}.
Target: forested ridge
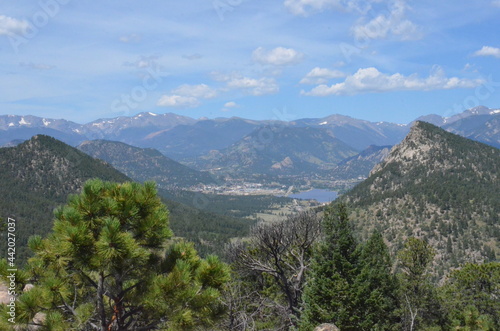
{"points": [[437, 186]]}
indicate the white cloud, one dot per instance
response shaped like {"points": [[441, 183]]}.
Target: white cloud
{"points": [[488, 51], [261, 86], [253, 86], [495, 3], [367, 80], [197, 91], [10, 26], [178, 101], [392, 22], [187, 96], [231, 104], [278, 56], [321, 76]]}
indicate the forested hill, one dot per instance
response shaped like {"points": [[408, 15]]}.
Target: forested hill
{"points": [[39, 174], [143, 164], [438, 186]]}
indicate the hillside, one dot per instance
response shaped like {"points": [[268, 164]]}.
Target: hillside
{"points": [[143, 164], [39, 174], [483, 128], [361, 164], [438, 186], [280, 150]]}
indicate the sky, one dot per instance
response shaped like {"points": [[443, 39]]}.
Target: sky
{"points": [[377, 60]]}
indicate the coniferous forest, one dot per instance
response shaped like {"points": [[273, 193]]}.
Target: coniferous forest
{"points": [[109, 263]]}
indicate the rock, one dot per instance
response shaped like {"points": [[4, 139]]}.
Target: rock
{"points": [[28, 287], [326, 327]]}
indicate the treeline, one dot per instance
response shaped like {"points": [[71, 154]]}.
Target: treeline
{"points": [[110, 263]]}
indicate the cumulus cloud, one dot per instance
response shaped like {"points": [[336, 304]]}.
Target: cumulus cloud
{"points": [[178, 101], [252, 86], [488, 51], [392, 22], [372, 24], [11, 26], [367, 80], [278, 56], [230, 104], [321, 76], [197, 91], [257, 87], [187, 96]]}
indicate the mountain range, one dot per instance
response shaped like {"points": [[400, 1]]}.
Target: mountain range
{"points": [[242, 147], [438, 186]]}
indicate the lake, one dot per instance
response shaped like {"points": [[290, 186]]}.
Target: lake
{"points": [[316, 194]]}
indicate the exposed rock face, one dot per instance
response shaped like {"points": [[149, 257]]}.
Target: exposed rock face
{"points": [[286, 163], [326, 327]]}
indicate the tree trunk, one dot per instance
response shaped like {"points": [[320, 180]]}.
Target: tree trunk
{"points": [[100, 302]]}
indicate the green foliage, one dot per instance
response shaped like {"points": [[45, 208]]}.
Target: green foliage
{"points": [[471, 295], [329, 295], [420, 305], [102, 266], [376, 287]]}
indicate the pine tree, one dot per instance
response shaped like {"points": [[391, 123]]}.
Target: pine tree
{"points": [[376, 287], [328, 296], [103, 268], [419, 300]]}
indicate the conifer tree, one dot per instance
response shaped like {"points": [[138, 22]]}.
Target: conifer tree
{"points": [[376, 287], [328, 296], [419, 299], [103, 267]]}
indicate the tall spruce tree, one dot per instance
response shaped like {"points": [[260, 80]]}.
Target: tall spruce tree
{"points": [[376, 287], [329, 295], [104, 267]]}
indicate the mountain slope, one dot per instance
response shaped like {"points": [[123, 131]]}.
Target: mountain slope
{"points": [[358, 133], [361, 164], [188, 141], [438, 186], [39, 174], [483, 128], [280, 150], [145, 164]]}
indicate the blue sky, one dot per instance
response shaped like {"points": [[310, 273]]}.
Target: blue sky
{"points": [[379, 60]]}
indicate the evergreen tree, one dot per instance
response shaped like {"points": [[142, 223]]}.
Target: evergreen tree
{"points": [[376, 287], [102, 267], [418, 296], [472, 296], [328, 296]]}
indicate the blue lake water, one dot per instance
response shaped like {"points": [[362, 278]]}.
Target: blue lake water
{"points": [[316, 194]]}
